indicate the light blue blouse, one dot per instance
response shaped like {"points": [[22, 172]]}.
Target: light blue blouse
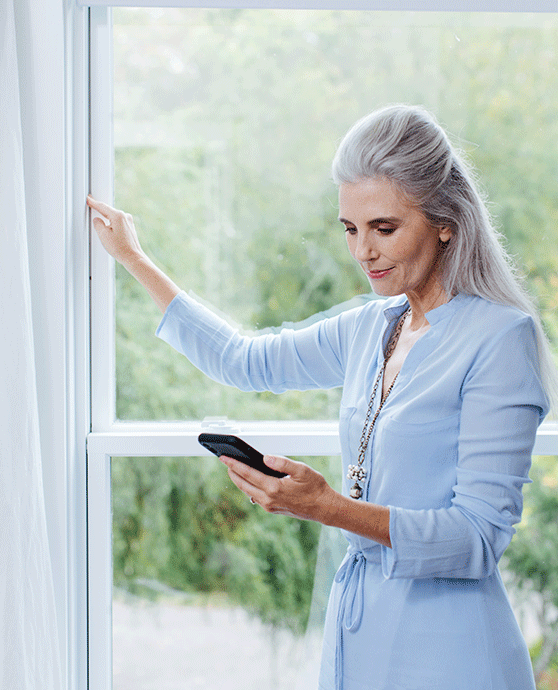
{"points": [[449, 455]]}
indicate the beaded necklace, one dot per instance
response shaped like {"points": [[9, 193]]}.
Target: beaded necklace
{"points": [[357, 473]]}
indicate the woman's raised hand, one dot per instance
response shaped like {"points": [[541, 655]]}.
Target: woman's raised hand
{"points": [[117, 233], [118, 236]]}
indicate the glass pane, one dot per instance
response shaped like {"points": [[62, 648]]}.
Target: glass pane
{"points": [[225, 125], [210, 591], [198, 569], [529, 567]]}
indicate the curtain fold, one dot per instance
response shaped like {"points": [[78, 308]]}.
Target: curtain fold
{"points": [[29, 640]]}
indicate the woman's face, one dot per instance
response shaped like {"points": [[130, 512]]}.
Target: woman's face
{"points": [[391, 239]]}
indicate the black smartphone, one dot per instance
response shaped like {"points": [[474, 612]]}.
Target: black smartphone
{"points": [[234, 447]]}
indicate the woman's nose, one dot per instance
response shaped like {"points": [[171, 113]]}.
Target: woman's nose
{"points": [[365, 249]]}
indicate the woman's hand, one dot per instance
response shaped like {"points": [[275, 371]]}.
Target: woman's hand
{"points": [[306, 495], [120, 239], [303, 494], [118, 234]]}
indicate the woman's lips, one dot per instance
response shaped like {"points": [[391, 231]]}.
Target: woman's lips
{"points": [[375, 275]]}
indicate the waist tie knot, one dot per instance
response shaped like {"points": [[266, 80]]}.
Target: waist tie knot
{"points": [[351, 604]]}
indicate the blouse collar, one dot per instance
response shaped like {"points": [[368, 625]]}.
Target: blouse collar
{"points": [[399, 304]]}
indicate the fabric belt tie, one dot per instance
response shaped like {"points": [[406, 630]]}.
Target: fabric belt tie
{"points": [[351, 604]]}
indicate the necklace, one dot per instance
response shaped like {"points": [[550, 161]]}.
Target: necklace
{"points": [[357, 473]]}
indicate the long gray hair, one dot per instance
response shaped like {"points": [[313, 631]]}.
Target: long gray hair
{"points": [[407, 146]]}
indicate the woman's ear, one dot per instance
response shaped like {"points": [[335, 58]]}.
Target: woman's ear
{"points": [[445, 234]]}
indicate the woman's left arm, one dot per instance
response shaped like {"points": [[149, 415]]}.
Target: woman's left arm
{"points": [[503, 402]]}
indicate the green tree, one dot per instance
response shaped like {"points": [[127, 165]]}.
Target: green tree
{"points": [[177, 523], [532, 559]]}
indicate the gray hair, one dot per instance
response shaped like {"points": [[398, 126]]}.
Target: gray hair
{"points": [[406, 145]]}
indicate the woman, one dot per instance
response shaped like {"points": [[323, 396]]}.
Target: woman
{"points": [[444, 385]]}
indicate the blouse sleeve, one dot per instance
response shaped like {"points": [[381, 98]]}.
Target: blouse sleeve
{"points": [[309, 358], [503, 402]]}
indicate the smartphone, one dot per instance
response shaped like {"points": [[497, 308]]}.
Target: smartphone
{"points": [[234, 447]]}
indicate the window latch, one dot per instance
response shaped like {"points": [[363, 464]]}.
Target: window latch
{"points": [[220, 424]]}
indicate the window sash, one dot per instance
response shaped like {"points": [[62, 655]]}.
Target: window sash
{"points": [[302, 438], [180, 440]]}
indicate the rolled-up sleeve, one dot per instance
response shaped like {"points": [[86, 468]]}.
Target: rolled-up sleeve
{"points": [[309, 358], [503, 403]]}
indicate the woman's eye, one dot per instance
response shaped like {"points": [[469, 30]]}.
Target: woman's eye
{"points": [[386, 231], [350, 230]]}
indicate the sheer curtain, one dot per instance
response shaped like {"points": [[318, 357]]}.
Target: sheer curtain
{"points": [[29, 640]]}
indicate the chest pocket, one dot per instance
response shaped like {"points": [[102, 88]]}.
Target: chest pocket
{"points": [[414, 465]]}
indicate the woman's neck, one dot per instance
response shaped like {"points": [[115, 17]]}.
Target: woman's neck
{"points": [[421, 304]]}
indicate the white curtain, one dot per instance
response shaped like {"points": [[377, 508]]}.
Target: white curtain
{"points": [[29, 639]]}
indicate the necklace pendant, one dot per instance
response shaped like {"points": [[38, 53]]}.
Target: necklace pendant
{"points": [[356, 473], [356, 491]]}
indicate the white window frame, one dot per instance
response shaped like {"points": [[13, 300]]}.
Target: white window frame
{"points": [[111, 438]]}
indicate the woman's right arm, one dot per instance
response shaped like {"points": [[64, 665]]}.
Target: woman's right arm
{"points": [[312, 357], [118, 236]]}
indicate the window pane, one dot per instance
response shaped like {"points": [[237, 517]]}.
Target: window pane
{"points": [[225, 125], [529, 567], [209, 590]]}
